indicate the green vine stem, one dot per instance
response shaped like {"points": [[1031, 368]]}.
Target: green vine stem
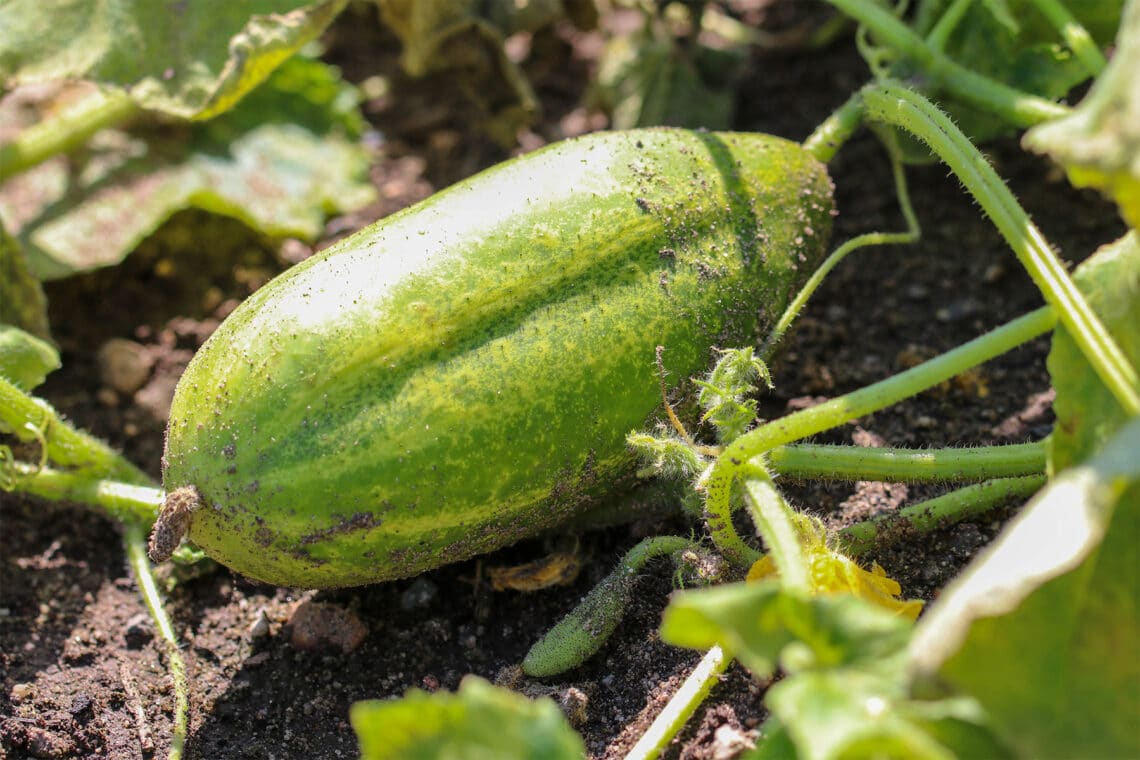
{"points": [[681, 705], [831, 134], [926, 516], [723, 472], [910, 235], [938, 35], [896, 465], [125, 502], [1011, 105], [135, 540], [1018, 108], [1074, 34], [33, 420], [893, 104], [776, 523], [65, 132]]}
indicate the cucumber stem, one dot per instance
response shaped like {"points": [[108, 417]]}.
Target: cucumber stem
{"points": [[1018, 108], [722, 475], [31, 419], [897, 465], [834, 131], [135, 541], [125, 502], [1074, 34], [775, 522], [64, 132], [893, 104], [926, 516]]}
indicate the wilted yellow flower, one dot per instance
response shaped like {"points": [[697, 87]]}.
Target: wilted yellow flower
{"points": [[834, 573]]}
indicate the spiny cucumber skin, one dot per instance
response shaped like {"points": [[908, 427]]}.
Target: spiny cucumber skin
{"points": [[462, 374]]}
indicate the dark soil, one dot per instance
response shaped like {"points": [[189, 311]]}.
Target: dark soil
{"points": [[81, 670]]}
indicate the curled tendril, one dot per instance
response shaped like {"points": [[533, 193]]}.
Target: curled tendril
{"points": [[39, 432]]}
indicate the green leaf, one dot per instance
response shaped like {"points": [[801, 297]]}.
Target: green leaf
{"points": [[479, 722], [22, 301], [648, 79], [279, 162], [25, 359], [758, 622], [1042, 629], [1099, 143], [853, 712], [193, 59], [1087, 413], [1013, 43]]}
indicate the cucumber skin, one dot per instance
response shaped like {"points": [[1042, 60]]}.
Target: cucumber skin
{"points": [[462, 374]]}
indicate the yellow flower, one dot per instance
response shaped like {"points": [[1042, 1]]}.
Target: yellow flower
{"points": [[834, 573]]}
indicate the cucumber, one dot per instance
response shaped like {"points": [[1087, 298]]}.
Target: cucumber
{"points": [[462, 374]]}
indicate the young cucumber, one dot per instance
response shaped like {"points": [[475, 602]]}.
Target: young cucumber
{"points": [[463, 374]]}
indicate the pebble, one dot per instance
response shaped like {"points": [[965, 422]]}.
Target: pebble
{"points": [[317, 626], [259, 628], [124, 365]]}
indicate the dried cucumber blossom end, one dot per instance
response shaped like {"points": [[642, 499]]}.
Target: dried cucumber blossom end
{"points": [[172, 522]]}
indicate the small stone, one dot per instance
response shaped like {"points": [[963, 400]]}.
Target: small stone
{"points": [[418, 594], [23, 691], [730, 742], [574, 702], [321, 625], [124, 365], [259, 628]]}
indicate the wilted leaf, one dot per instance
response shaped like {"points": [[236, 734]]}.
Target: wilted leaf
{"points": [[279, 162], [192, 59], [22, 301], [1099, 143], [479, 722], [25, 360]]}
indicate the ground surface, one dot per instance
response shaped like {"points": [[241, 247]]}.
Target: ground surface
{"points": [[81, 674]]}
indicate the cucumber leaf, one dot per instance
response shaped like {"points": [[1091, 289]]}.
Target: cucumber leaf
{"points": [[25, 360], [1041, 629], [1087, 413], [478, 722], [844, 693], [1012, 42], [279, 163], [192, 59], [22, 301], [1099, 143]]}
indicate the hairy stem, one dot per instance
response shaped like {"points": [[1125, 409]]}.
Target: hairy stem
{"points": [[33, 420], [125, 502], [891, 103], [896, 465], [1013, 106], [775, 521], [950, 508], [723, 474]]}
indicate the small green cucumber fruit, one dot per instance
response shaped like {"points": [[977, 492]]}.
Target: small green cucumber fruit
{"points": [[463, 374]]}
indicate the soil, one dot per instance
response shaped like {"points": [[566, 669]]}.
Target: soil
{"points": [[273, 671]]}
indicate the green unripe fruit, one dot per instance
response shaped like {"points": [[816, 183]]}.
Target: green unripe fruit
{"points": [[463, 374]]}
